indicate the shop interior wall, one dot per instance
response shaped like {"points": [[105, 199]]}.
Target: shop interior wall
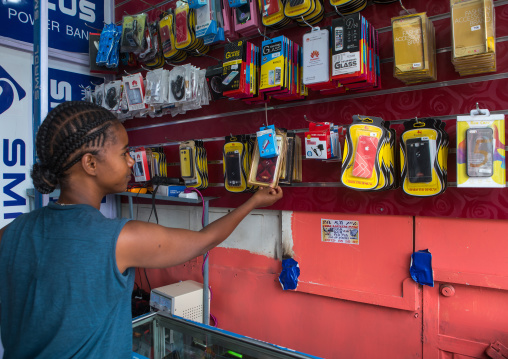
{"points": [[247, 297]]}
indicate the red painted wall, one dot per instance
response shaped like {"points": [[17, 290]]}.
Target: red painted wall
{"points": [[469, 254]]}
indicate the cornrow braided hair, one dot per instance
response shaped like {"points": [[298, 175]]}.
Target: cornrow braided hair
{"points": [[70, 130]]}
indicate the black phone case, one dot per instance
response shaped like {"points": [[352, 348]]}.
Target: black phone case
{"points": [[233, 169], [418, 160]]}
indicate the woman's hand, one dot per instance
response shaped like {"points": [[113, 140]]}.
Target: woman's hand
{"points": [[266, 196]]}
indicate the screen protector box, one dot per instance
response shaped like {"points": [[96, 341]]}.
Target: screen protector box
{"points": [[232, 66], [346, 39]]}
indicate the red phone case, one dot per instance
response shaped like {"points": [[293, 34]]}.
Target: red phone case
{"points": [[181, 27], [366, 150]]}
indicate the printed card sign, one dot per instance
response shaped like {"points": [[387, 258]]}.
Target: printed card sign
{"points": [[340, 231], [67, 22]]}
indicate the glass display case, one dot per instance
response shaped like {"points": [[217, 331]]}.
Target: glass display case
{"points": [[159, 335]]}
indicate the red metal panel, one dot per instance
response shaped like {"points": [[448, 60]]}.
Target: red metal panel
{"points": [[248, 299], [375, 271], [470, 256]]}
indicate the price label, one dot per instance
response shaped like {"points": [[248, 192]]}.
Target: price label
{"points": [[477, 27]]}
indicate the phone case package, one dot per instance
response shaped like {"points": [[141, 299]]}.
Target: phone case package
{"points": [[473, 36], [246, 19], [367, 155], [236, 164], [266, 171], [480, 150], [414, 48], [423, 157], [134, 91]]}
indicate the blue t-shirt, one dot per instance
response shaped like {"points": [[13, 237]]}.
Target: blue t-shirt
{"points": [[61, 292]]}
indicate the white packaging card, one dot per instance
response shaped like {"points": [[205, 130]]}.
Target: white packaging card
{"points": [[316, 57]]}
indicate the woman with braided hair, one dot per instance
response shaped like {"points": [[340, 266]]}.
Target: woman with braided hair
{"points": [[67, 271]]}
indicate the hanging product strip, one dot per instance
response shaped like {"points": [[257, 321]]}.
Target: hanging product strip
{"points": [[369, 161]]}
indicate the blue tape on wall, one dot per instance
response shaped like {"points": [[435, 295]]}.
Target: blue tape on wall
{"points": [[421, 267], [288, 278]]}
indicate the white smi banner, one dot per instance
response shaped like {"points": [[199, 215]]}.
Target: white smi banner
{"points": [[16, 139], [16, 132]]}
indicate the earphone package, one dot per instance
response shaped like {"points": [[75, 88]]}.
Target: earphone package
{"points": [[99, 95], [157, 86], [177, 85], [112, 95]]}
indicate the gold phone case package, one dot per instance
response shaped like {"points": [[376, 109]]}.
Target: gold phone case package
{"points": [[414, 48], [473, 36]]}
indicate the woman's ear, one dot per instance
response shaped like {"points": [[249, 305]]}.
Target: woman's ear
{"points": [[89, 164]]}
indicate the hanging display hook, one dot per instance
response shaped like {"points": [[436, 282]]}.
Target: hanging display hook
{"points": [[478, 111], [169, 63], [266, 37], [406, 10], [306, 23], [205, 55], [338, 12], [91, 27], [266, 113]]}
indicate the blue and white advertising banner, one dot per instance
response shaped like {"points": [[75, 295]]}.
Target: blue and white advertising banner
{"points": [[67, 24], [65, 81]]}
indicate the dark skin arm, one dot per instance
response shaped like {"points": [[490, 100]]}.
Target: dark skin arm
{"points": [[149, 245]]}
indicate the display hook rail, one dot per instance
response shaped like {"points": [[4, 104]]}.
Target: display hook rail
{"points": [[426, 86], [301, 130]]}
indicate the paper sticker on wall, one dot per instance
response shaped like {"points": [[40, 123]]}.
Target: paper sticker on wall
{"points": [[340, 231]]}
